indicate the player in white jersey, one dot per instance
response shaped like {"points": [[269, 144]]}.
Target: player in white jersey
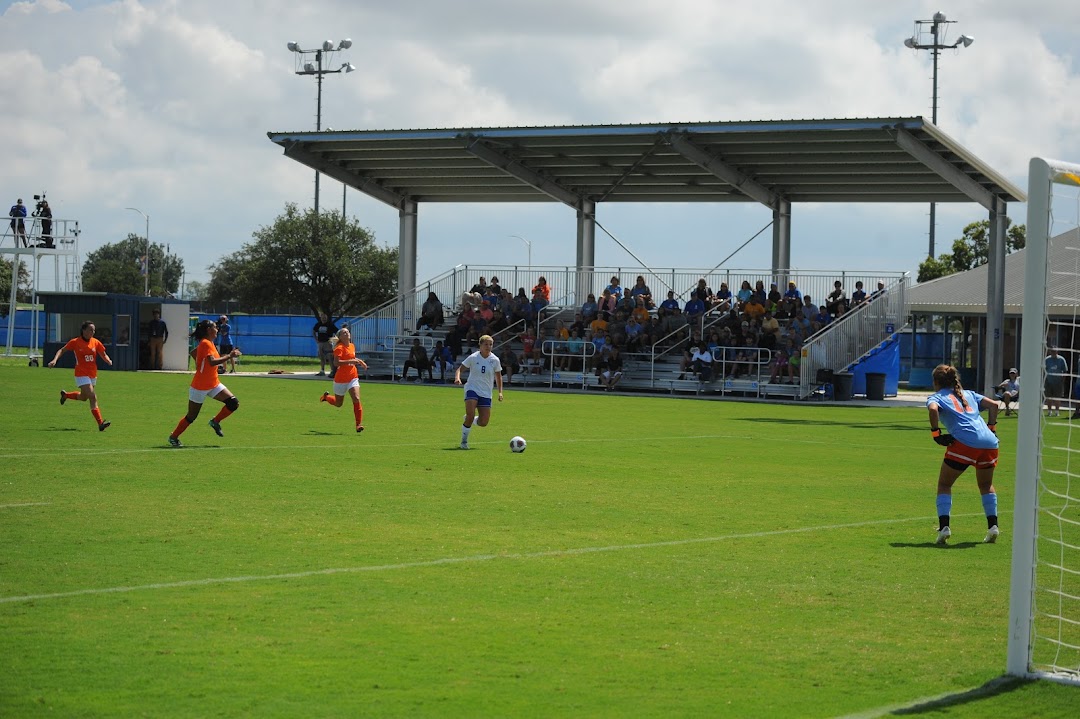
{"points": [[485, 371]]}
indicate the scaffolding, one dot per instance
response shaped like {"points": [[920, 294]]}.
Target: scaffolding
{"points": [[34, 248]]}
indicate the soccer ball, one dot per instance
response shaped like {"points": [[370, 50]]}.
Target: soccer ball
{"points": [[517, 445]]}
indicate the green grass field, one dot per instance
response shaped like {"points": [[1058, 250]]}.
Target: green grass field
{"points": [[645, 557]]}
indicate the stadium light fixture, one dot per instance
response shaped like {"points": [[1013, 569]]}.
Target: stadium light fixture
{"points": [[305, 67], [937, 27], [529, 246], [146, 266]]}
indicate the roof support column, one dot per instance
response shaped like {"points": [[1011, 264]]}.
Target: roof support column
{"points": [[995, 300], [406, 258], [781, 239], [586, 249]]}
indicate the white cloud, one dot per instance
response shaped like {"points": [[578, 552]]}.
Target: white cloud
{"points": [[165, 105]]}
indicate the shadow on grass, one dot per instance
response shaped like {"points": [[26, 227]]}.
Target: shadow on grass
{"points": [[62, 429], [933, 545], [845, 425], [320, 433], [995, 687]]}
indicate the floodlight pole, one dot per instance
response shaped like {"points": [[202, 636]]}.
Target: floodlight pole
{"points": [[937, 29], [318, 71], [146, 267]]}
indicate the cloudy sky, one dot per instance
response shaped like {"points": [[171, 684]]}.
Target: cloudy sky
{"points": [[164, 105]]}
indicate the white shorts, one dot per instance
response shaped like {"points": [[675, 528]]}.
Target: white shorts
{"points": [[198, 396], [342, 388], [80, 381]]}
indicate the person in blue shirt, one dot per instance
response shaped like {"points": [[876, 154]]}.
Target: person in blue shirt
{"points": [[695, 308], [18, 222], [793, 291], [859, 295], [969, 442], [589, 309], [1054, 386], [670, 303]]}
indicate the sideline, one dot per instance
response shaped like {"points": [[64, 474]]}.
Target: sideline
{"points": [[25, 504], [457, 560]]}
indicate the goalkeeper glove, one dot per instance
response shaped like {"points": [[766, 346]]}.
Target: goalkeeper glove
{"points": [[943, 439]]}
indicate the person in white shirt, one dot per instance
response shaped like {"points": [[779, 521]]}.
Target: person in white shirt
{"points": [[485, 372]]}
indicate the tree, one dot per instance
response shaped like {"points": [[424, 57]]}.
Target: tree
{"points": [[971, 250], [116, 267], [325, 262], [22, 294], [196, 291]]}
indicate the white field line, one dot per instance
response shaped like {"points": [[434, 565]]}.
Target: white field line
{"points": [[456, 560], [24, 504]]}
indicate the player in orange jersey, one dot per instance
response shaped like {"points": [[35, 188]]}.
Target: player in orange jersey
{"points": [[346, 377], [87, 349], [205, 382]]}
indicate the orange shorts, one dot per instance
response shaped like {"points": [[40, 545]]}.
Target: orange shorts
{"points": [[978, 458]]}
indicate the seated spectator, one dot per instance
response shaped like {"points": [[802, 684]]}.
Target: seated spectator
{"points": [[418, 359], [616, 329], [599, 324], [522, 308], [493, 286], [559, 338], [498, 322], [745, 293], [606, 304], [770, 327], [575, 349], [760, 293], [442, 360], [820, 319], [754, 307], [589, 309], [808, 308], [539, 302], [626, 305], [454, 339], [704, 293], [540, 358], [578, 324], [793, 291], [781, 364], [599, 342], [1009, 391], [543, 288], [480, 288], [640, 289], [431, 314], [723, 294], [694, 310], [615, 288], [633, 332], [640, 311], [836, 298], [485, 311], [701, 361], [609, 370], [774, 297], [670, 303], [510, 365], [746, 358], [528, 347], [859, 295], [687, 344]]}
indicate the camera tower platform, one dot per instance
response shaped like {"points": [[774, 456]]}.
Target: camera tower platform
{"points": [[62, 245]]}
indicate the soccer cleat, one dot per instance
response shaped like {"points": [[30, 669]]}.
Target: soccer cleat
{"points": [[320, 373], [63, 397], [418, 381], [463, 445], [991, 535], [943, 535], [175, 442], [216, 426], [359, 428], [324, 396], [103, 426]]}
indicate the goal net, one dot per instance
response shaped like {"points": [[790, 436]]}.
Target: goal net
{"points": [[1044, 612]]}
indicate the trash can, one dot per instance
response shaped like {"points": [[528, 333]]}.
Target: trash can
{"points": [[842, 383], [875, 385]]}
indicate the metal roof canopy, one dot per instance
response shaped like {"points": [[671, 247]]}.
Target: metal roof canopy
{"points": [[774, 163], [854, 161]]}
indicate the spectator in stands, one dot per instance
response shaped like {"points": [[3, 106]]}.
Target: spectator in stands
{"points": [[687, 343], [610, 369], [493, 286], [879, 291], [651, 333], [528, 348], [760, 293], [746, 358], [539, 302], [498, 322], [418, 360], [859, 295], [486, 313], [543, 288], [770, 328], [640, 289], [793, 291], [670, 316], [820, 319], [1009, 390], [599, 342], [615, 288], [589, 309], [606, 304], [559, 338], [745, 292], [431, 314], [480, 288], [598, 324], [781, 364], [633, 333], [808, 308], [522, 311], [704, 293], [640, 311], [575, 349], [754, 308], [836, 299], [670, 303], [442, 360], [774, 297], [542, 350], [454, 338], [695, 309], [723, 294], [701, 362], [616, 329]]}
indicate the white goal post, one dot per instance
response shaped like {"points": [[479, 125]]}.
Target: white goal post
{"points": [[1044, 601]]}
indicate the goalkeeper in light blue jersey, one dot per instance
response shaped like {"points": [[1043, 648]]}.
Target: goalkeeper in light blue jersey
{"points": [[969, 442]]}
